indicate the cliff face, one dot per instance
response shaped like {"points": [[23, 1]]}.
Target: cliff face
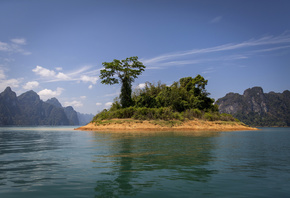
{"points": [[75, 118], [70, 113], [28, 109], [9, 107], [54, 102], [257, 108]]}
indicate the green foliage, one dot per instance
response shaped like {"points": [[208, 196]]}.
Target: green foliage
{"points": [[126, 91], [192, 113], [188, 93], [186, 99], [126, 70], [163, 113], [256, 108], [141, 113], [116, 105], [254, 119]]}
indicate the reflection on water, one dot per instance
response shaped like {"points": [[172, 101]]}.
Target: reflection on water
{"points": [[61, 162], [145, 160]]}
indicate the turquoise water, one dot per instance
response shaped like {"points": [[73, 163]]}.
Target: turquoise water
{"points": [[61, 162]]}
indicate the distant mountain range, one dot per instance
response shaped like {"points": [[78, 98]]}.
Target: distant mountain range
{"points": [[256, 108], [29, 109]]}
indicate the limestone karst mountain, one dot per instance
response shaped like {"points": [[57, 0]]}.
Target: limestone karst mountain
{"points": [[29, 109], [257, 108]]}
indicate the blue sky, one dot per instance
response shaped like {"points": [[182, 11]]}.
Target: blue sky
{"points": [[56, 47]]}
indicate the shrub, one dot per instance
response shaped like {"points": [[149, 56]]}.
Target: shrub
{"points": [[227, 117], [212, 116], [163, 113], [192, 113]]}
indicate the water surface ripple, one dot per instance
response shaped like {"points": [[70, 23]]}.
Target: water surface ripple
{"points": [[61, 162]]}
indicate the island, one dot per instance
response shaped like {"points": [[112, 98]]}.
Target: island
{"points": [[131, 125], [184, 105]]}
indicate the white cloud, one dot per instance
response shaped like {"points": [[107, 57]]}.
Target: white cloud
{"points": [[83, 97], [62, 76], [81, 75], [216, 19], [108, 104], [43, 72], [91, 79], [13, 83], [141, 86], [15, 46], [4, 82], [19, 41], [31, 85], [74, 103], [39, 70], [98, 104], [48, 93]]}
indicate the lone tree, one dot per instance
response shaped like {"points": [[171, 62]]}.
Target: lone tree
{"points": [[126, 71]]}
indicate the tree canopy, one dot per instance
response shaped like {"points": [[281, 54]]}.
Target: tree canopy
{"points": [[184, 99], [126, 70], [187, 93]]}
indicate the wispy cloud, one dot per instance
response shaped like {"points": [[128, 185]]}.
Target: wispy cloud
{"points": [[84, 74], [14, 46], [2, 74], [194, 56], [19, 41], [272, 49], [216, 19], [209, 70], [112, 94]]}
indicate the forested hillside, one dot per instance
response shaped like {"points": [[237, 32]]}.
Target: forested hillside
{"points": [[257, 108]]}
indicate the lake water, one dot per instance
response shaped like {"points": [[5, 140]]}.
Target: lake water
{"points": [[61, 162]]}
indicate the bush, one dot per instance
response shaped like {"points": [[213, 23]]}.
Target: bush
{"points": [[163, 113], [192, 113], [227, 117], [212, 116]]}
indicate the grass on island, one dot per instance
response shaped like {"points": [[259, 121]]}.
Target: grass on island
{"points": [[164, 117]]}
